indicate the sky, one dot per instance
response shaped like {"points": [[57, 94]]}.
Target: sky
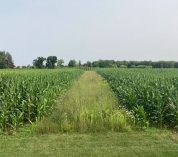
{"points": [[89, 29]]}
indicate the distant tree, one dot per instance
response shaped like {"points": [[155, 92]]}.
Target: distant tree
{"points": [[30, 66], [72, 63], [2, 60], [104, 63], [39, 62], [132, 66], [60, 63], [89, 64], [51, 62], [172, 64], [6, 60], [17, 67], [79, 63], [24, 67], [176, 65], [95, 64]]}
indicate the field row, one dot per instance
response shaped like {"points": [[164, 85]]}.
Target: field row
{"points": [[26, 96], [152, 95]]}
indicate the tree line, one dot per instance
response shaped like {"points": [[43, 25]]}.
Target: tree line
{"points": [[134, 64], [51, 62]]}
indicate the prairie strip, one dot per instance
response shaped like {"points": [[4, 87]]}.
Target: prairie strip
{"points": [[89, 106]]}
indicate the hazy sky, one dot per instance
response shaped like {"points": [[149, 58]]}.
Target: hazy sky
{"points": [[89, 29]]}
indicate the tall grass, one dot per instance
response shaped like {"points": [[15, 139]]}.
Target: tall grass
{"points": [[89, 106]]}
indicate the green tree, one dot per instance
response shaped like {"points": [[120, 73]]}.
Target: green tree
{"points": [[60, 63], [79, 63], [6, 60], [72, 63], [39, 62], [2, 59], [51, 62], [89, 64]]}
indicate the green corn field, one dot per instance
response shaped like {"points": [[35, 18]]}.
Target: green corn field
{"points": [[151, 94], [28, 95]]}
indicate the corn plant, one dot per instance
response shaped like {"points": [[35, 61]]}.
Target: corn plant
{"points": [[151, 94], [28, 95]]}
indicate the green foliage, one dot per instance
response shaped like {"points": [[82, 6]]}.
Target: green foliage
{"points": [[104, 63], [133, 64], [6, 60], [29, 95], [79, 63], [151, 94], [60, 63], [89, 64], [51, 62], [72, 63], [141, 117], [39, 62]]}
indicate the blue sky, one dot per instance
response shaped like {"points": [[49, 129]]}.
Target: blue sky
{"points": [[89, 29]]}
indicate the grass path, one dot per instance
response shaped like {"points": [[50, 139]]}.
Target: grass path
{"points": [[89, 106], [90, 94]]}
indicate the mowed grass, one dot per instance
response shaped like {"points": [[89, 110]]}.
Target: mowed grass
{"points": [[89, 106], [133, 144]]}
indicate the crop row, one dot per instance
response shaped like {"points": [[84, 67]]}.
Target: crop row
{"points": [[152, 95], [26, 96]]}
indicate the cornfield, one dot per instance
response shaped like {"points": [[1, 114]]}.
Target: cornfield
{"points": [[151, 94], [29, 95]]}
